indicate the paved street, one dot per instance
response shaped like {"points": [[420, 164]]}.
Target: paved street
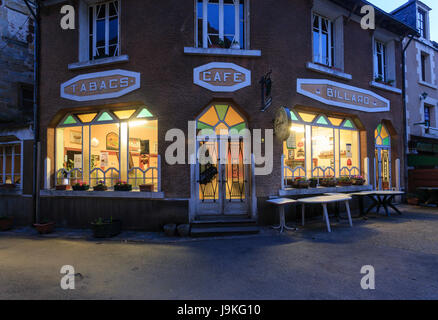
{"points": [[308, 264]]}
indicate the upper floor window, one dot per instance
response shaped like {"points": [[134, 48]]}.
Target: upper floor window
{"points": [[323, 41], [425, 68], [104, 30], [380, 61], [220, 24], [421, 23]]}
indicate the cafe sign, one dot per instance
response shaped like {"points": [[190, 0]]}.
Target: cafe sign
{"points": [[100, 85], [341, 95], [222, 77]]}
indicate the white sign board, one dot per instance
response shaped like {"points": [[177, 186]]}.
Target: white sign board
{"points": [[222, 77]]}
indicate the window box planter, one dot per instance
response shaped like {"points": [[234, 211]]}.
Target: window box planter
{"points": [[79, 187], [106, 228], [6, 223], [146, 187], [327, 182], [358, 181], [122, 187], [345, 181], [313, 183], [61, 187], [8, 186], [45, 228], [100, 188]]}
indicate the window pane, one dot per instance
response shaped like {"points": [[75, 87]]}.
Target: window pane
{"points": [[349, 149], [294, 148], [113, 30], [68, 151], [143, 152], [104, 153], [322, 151], [213, 17], [100, 39], [229, 18], [200, 23], [316, 56], [100, 11]]}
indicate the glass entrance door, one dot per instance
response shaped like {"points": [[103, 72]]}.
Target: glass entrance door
{"points": [[221, 185], [383, 168]]}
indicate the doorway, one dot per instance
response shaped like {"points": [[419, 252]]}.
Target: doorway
{"points": [[382, 160], [222, 186]]}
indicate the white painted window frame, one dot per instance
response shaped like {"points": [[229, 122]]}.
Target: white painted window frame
{"points": [[94, 35], [88, 126], [309, 172], [4, 157], [421, 22], [330, 40], [243, 46], [382, 58]]}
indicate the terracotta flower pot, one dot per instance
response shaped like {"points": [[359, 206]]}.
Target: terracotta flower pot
{"points": [[45, 228], [6, 223], [61, 187], [146, 188], [413, 201]]}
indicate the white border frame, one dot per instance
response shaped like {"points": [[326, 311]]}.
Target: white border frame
{"points": [[120, 93], [341, 104], [221, 65]]}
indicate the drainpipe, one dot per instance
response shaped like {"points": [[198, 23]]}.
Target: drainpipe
{"points": [[36, 128], [405, 106]]}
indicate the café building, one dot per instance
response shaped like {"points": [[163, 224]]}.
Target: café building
{"points": [[117, 89]]}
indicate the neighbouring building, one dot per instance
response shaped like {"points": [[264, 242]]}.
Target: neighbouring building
{"points": [[132, 70], [421, 96], [16, 109]]}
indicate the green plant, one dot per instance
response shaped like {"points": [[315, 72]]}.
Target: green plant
{"points": [[344, 180], [122, 186], [81, 186]]}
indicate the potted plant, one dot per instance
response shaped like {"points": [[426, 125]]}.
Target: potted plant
{"points": [[313, 182], [235, 45], [106, 228], [8, 186], [100, 186], [122, 186], [146, 187], [328, 182], [358, 181], [344, 181], [61, 187], [413, 199], [301, 183], [80, 186], [45, 227], [219, 44], [6, 223]]}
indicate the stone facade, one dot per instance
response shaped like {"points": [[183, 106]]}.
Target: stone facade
{"points": [[16, 60]]}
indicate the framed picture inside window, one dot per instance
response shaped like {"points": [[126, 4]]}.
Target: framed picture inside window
{"points": [[76, 137], [112, 141]]}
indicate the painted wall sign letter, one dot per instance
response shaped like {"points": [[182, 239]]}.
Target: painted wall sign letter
{"points": [[341, 95], [222, 77], [100, 85]]}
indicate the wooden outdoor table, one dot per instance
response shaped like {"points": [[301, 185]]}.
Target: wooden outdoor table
{"points": [[324, 200], [384, 199], [281, 203]]}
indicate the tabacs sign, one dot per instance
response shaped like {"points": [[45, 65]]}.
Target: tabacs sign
{"points": [[341, 95], [100, 85], [222, 77]]}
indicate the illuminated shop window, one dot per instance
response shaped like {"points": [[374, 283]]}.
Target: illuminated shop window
{"points": [[10, 164], [321, 146], [108, 146]]}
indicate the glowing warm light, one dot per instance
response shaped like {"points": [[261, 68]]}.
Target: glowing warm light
{"points": [[137, 123], [297, 129]]}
